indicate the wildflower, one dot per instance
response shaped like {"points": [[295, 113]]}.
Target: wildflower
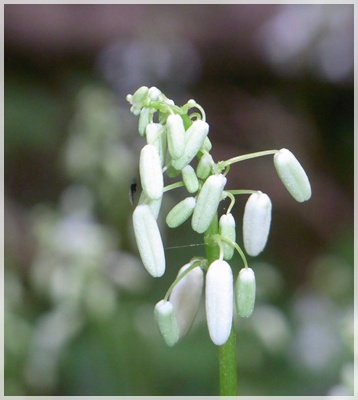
{"points": [[292, 175], [176, 135], [181, 212], [207, 202], [227, 229], [164, 315], [219, 301], [148, 240], [151, 172], [245, 291], [185, 297], [256, 223]]}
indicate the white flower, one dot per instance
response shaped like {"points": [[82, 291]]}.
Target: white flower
{"points": [[194, 140], [148, 240], [180, 212], [176, 135], [164, 314], [207, 202], [150, 170], [186, 296], [256, 224], [292, 175], [245, 292], [227, 228], [219, 301]]}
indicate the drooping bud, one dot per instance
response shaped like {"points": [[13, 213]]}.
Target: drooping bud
{"points": [[204, 167], [207, 202], [176, 135], [227, 229], [150, 170], [219, 301], [149, 240], [164, 315], [194, 139], [245, 292], [155, 134], [180, 212], [292, 175], [190, 179], [185, 297], [256, 223]]}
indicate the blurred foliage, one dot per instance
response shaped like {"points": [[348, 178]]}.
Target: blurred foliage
{"points": [[78, 303]]}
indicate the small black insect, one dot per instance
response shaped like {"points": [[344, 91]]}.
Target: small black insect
{"points": [[132, 190]]}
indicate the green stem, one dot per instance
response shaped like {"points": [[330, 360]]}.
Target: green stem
{"points": [[227, 351], [224, 164]]}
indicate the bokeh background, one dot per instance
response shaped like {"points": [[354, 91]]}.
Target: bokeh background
{"points": [[78, 303]]}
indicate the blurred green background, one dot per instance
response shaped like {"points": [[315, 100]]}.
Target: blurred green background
{"points": [[78, 303]]}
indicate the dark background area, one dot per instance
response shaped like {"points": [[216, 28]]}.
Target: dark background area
{"points": [[78, 305]]}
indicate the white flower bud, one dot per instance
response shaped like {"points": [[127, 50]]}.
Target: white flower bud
{"points": [[148, 240], [245, 292], [227, 228], [164, 315], [156, 135], [181, 212], [154, 93], [176, 135], [190, 179], [292, 175], [207, 145], [194, 139], [256, 223], [219, 301], [140, 95], [186, 296], [204, 167], [150, 170], [144, 118], [207, 202]]}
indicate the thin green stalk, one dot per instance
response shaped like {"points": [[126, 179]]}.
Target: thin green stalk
{"points": [[227, 351]]}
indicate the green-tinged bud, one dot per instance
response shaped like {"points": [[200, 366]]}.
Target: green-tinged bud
{"points": [[172, 172], [190, 179], [207, 202], [150, 170], [181, 212], [207, 146], [203, 169], [245, 292], [256, 223], [164, 315], [219, 301], [292, 175], [176, 135], [149, 240], [144, 119], [185, 297], [154, 205], [155, 134], [194, 139], [154, 93], [138, 99], [227, 230]]}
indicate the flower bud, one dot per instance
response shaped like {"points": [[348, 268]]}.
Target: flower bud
{"points": [[190, 179], [207, 202], [227, 230], [144, 118], [256, 223], [207, 145], [245, 291], [219, 301], [138, 99], [194, 139], [148, 240], [186, 296], [204, 167], [154, 205], [292, 175], [181, 212], [176, 135], [150, 170], [155, 134], [164, 315]]}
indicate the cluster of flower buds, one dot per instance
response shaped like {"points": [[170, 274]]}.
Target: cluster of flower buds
{"points": [[177, 146]]}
